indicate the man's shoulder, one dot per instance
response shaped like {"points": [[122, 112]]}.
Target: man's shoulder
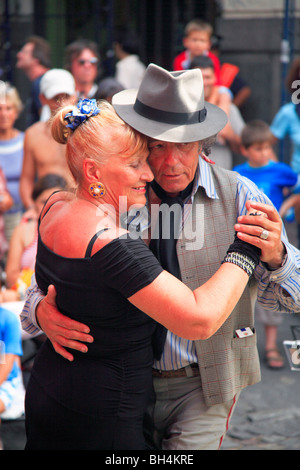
{"points": [[179, 59], [224, 180], [39, 142], [287, 109], [38, 126], [231, 174], [241, 167], [181, 55]]}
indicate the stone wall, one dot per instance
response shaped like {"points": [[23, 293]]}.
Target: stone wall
{"points": [[251, 39]]}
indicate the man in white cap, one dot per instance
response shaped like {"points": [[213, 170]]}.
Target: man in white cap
{"points": [[197, 383], [42, 154]]}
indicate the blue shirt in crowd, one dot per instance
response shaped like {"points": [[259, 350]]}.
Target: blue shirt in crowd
{"points": [[10, 338], [287, 123], [270, 179]]}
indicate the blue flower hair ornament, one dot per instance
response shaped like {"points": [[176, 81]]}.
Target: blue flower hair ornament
{"points": [[85, 109]]}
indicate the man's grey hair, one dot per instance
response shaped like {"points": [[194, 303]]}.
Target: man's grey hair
{"points": [[207, 144]]}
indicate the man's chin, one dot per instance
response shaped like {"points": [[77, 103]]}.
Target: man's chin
{"points": [[173, 185]]}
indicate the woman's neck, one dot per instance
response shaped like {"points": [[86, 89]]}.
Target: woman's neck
{"points": [[105, 212], [8, 134]]}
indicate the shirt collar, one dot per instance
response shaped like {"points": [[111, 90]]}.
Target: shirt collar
{"points": [[205, 179]]}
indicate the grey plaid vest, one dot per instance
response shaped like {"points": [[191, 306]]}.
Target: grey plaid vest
{"points": [[227, 364]]}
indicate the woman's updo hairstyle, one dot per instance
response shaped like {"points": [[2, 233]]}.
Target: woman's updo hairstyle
{"points": [[98, 137]]}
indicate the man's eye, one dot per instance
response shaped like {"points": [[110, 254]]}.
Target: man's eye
{"points": [[185, 145], [155, 147]]}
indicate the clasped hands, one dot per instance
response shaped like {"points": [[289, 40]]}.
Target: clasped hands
{"points": [[263, 231]]}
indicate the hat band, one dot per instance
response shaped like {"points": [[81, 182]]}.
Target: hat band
{"points": [[167, 116]]}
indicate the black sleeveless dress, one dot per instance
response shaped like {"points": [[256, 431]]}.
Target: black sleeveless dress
{"points": [[98, 400]]}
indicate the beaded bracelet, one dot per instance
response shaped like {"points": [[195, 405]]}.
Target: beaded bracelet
{"points": [[242, 261]]}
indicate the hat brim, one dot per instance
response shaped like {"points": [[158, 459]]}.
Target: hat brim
{"points": [[216, 119]]}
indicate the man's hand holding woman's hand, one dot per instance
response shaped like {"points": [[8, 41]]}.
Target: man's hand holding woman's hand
{"points": [[263, 231]]}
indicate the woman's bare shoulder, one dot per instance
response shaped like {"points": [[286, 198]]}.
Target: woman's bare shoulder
{"points": [[57, 196]]}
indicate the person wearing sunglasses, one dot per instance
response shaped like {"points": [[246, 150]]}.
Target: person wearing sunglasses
{"points": [[82, 59]]}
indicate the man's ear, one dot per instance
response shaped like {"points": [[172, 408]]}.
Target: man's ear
{"points": [[244, 151], [185, 42], [43, 99]]}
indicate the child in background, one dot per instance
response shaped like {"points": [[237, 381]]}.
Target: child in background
{"points": [[12, 390], [197, 41], [23, 244], [273, 178]]}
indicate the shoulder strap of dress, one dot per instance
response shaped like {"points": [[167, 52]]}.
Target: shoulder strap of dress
{"points": [[92, 241], [43, 211]]}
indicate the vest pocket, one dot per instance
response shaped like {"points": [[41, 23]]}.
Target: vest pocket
{"points": [[247, 342]]}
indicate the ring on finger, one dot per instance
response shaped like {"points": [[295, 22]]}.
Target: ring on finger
{"points": [[264, 235]]}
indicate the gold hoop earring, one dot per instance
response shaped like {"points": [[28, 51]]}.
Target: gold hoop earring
{"points": [[97, 190]]}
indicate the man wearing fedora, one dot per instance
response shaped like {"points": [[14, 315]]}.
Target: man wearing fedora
{"points": [[197, 383]]}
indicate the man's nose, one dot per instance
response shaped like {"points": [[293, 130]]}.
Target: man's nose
{"points": [[170, 156]]}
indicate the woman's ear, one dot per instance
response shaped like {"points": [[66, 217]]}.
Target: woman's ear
{"points": [[91, 170]]}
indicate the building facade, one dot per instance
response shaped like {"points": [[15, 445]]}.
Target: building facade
{"points": [[261, 36]]}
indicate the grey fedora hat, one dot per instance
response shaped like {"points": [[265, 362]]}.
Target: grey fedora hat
{"points": [[170, 106]]}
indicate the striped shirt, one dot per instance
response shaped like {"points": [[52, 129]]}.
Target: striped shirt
{"points": [[272, 285], [11, 161]]}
